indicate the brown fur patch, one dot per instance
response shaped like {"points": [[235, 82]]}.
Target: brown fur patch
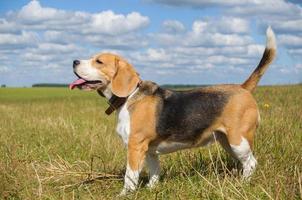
{"points": [[240, 117], [142, 127]]}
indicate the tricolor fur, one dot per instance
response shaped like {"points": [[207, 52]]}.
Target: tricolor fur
{"points": [[156, 121]]}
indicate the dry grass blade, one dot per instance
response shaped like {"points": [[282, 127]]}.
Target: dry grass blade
{"points": [[92, 180], [39, 181], [300, 182], [267, 194], [69, 176]]}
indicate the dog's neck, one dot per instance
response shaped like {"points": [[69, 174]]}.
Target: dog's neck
{"points": [[114, 101]]}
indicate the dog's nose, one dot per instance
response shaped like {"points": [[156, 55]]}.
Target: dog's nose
{"points": [[75, 63]]}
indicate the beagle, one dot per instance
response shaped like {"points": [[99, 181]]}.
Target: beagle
{"points": [[154, 121]]}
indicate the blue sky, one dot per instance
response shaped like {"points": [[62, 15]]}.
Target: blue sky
{"points": [[168, 41]]}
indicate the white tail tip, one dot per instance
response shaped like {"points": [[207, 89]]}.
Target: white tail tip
{"points": [[270, 38]]}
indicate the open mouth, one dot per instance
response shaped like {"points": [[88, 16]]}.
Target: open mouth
{"points": [[85, 84]]}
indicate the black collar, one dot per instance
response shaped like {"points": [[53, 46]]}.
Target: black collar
{"points": [[115, 103]]}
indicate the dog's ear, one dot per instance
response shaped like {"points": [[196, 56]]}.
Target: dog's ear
{"points": [[125, 79]]}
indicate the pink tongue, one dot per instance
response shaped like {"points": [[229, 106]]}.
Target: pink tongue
{"points": [[76, 83]]}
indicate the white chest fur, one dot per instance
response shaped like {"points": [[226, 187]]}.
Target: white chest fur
{"points": [[123, 121], [123, 124]]}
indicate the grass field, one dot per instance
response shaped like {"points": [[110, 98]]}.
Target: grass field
{"points": [[59, 144]]}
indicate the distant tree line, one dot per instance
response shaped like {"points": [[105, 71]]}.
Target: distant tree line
{"points": [[49, 85]]}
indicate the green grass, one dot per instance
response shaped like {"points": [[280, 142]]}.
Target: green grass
{"points": [[53, 139]]}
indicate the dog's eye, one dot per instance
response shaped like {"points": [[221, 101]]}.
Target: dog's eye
{"points": [[100, 62]]}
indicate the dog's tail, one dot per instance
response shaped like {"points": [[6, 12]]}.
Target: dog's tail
{"points": [[267, 58]]}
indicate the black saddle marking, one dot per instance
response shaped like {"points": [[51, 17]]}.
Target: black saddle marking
{"points": [[183, 116]]}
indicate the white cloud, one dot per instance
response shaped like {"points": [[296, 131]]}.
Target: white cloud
{"points": [[290, 40], [8, 40], [295, 53], [225, 31], [246, 51], [298, 66], [232, 25], [200, 38], [51, 55], [227, 25], [287, 25], [51, 48], [4, 69], [203, 3], [271, 9], [33, 12], [253, 8], [167, 39], [108, 22], [35, 17], [156, 55], [173, 26], [8, 27], [121, 42], [59, 37], [223, 60]]}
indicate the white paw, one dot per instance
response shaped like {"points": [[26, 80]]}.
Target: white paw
{"points": [[234, 171], [249, 168], [150, 185], [153, 181], [123, 193], [126, 190]]}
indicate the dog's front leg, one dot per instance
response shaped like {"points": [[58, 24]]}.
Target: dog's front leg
{"points": [[154, 169], [135, 160]]}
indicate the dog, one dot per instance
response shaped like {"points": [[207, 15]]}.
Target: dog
{"points": [[154, 121]]}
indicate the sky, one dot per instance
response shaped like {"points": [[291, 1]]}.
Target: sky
{"points": [[167, 41]]}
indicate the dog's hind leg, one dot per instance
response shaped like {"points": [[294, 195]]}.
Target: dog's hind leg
{"points": [[241, 151], [241, 143], [238, 134], [244, 154]]}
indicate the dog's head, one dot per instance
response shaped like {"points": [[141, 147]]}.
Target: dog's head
{"points": [[106, 73]]}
